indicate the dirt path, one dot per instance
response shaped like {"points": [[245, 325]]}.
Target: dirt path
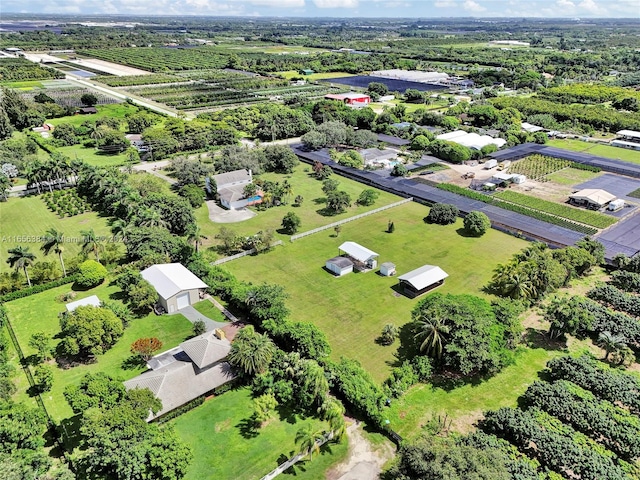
{"points": [[364, 461]]}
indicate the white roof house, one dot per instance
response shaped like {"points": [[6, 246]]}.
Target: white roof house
{"points": [[171, 278], [186, 372], [93, 300], [236, 177], [357, 251], [629, 134], [419, 281], [592, 196], [471, 140]]}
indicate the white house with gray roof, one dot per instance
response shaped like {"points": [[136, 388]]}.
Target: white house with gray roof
{"points": [[186, 372], [176, 285], [230, 187]]}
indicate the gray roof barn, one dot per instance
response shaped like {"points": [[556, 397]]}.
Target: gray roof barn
{"points": [[236, 177], [423, 277]]}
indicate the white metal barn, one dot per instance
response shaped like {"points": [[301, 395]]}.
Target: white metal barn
{"points": [[362, 257], [339, 266], [93, 300], [421, 280], [177, 287]]}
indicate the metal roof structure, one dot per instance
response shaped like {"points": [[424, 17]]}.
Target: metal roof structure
{"points": [[357, 251], [171, 278], [593, 195], [423, 277], [93, 300], [629, 133], [233, 178], [342, 262], [471, 140]]}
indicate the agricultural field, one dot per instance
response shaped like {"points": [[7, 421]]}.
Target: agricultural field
{"points": [[136, 80], [289, 74], [221, 421], [581, 215], [20, 69], [606, 151], [537, 167], [70, 96], [571, 176], [216, 88], [26, 219], [159, 60], [353, 309], [171, 330], [311, 211]]}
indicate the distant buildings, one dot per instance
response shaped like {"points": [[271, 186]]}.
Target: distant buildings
{"points": [[627, 139], [352, 99], [471, 140]]}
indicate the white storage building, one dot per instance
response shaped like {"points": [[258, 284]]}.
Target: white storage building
{"points": [[176, 285], [339, 266], [421, 280], [471, 140]]}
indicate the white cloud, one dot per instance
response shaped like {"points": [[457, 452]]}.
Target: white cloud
{"points": [[279, 3], [473, 6], [564, 4], [444, 3], [593, 8], [336, 3]]}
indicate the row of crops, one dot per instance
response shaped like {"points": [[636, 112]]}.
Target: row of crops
{"points": [[529, 212], [137, 80], [588, 217], [162, 59], [581, 423], [537, 167], [70, 97]]}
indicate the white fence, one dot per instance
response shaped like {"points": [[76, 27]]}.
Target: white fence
{"points": [[220, 261], [293, 460], [350, 219]]}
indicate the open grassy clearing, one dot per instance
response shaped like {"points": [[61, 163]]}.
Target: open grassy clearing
{"points": [[572, 176], [310, 212], [113, 110], [206, 308], [465, 404], [223, 448], [93, 156], [352, 310], [39, 313], [606, 151], [25, 85], [314, 76], [25, 219]]}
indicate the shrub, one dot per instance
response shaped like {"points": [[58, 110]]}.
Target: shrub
{"points": [[90, 274], [476, 223], [199, 327], [443, 214], [43, 376]]}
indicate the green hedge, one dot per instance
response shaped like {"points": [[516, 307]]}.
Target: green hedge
{"points": [[25, 292], [183, 409], [588, 168]]}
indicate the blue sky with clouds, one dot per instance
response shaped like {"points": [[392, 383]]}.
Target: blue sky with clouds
{"points": [[337, 8]]}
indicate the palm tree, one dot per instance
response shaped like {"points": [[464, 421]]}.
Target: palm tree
{"points": [[611, 343], [333, 412], [149, 217], [120, 228], [434, 331], [21, 257], [91, 243], [309, 439], [389, 334], [195, 235], [314, 381], [251, 352], [54, 241]]}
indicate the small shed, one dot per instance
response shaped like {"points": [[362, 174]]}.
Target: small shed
{"points": [[362, 257], [339, 266], [93, 300], [87, 110], [421, 280], [306, 71], [388, 269], [489, 164]]}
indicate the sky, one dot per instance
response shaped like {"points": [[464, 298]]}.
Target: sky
{"points": [[337, 8]]}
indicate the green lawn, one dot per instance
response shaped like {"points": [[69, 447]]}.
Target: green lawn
{"points": [[314, 76], [24, 219], [25, 85], [310, 212], [93, 156], [571, 176], [206, 308], [40, 313], [113, 110], [607, 151], [465, 404], [215, 429], [352, 310]]}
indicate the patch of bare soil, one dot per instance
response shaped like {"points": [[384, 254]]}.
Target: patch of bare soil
{"points": [[364, 460]]}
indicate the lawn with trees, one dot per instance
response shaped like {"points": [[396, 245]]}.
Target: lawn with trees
{"points": [[117, 361], [363, 304]]}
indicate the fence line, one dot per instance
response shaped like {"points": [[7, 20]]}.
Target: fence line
{"points": [[350, 219], [293, 460], [220, 261], [25, 367]]}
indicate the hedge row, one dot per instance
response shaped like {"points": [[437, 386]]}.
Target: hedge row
{"points": [[25, 292]]}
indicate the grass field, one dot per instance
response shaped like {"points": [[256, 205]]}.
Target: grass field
{"points": [[352, 310], [206, 308], [221, 450], [571, 176], [606, 151], [310, 212], [26, 85], [92, 156], [314, 76], [45, 306], [465, 404], [113, 110], [25, 219]]}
